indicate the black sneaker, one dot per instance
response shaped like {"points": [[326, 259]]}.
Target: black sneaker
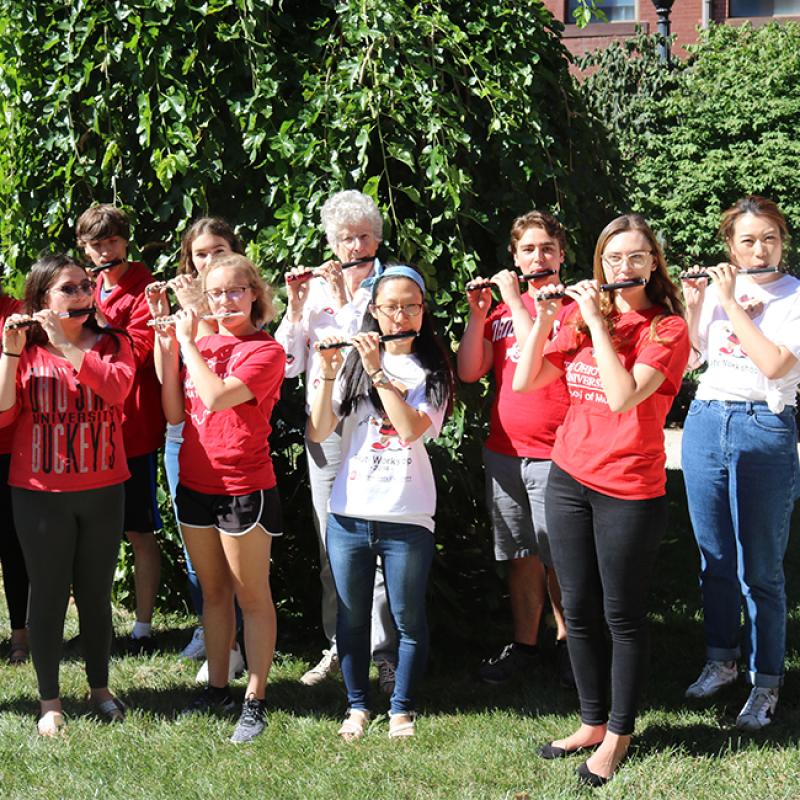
{"points": [[252, 721], [211, 700], [511, 662], [566, 680]]}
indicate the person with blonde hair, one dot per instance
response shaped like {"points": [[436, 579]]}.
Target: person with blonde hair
{"points": [[223, 387]]}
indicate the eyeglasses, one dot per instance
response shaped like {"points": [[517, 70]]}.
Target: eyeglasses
{"points": [[71, 289], [390, 310], [352, 241], [235, 293], [639, 259]]}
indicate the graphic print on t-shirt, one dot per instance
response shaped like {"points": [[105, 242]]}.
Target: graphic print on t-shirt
{"points": [[731, 346], [389, 438], [583, 379], [222, 365], [64, 440]]}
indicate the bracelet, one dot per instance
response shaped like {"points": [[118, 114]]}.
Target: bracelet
{"points": [[327, 379], [373, 374], [11, 355]]}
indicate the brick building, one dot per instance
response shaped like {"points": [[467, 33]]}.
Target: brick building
{"points": [[625, 15]]}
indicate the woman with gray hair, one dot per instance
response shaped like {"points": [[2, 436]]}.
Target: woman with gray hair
{"points": [[323, 302]]}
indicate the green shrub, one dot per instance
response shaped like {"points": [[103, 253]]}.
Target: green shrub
{"points": [[455, 115], [695, 139]]}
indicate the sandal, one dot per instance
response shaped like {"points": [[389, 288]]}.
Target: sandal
{"points": [[18, 654], [51, 723], [405, 725], [111, 710], [353, 725]]}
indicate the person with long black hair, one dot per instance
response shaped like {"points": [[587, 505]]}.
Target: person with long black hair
{"points": [[63, 382], [390, 396]]}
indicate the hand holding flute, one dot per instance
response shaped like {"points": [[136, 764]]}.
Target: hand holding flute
{"points": [[173, 319]]}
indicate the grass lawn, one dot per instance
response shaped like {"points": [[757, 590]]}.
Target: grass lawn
{"points": [[473, 741]]}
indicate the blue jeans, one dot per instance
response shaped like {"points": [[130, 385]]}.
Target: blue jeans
{"points": [[741, 472], [407, 552]]}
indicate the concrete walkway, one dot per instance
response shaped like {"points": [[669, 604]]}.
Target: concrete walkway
{"points": [[672, 444]]}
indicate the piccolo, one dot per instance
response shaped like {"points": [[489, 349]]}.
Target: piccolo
{"points": [[388, 337], [307, 276], [107, 265], [690, 276], [73, 312], [604, 287], [162, 322], [531, 276]]}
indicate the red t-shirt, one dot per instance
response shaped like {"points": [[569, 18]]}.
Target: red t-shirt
{"points": [[126, 308], [68, 425], [227, 452], [522, 425], [621, 455], [8, 306]]}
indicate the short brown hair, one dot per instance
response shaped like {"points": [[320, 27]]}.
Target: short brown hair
{"points": [[537, 219], [263, 310], [101, 222]]}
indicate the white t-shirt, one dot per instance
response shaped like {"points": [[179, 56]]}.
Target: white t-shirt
{"points": [[318, 321], [381, 477], [731, 375]]}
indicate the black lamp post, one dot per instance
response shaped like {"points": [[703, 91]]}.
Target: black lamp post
{"points": [[663, 9]]}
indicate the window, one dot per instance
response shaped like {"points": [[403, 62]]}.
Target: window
{"points": [[624, 10], [761, 8]]}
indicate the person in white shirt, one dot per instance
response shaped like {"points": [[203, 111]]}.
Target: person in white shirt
{"points": [[740, 459], [389, 396], [330, 301]]}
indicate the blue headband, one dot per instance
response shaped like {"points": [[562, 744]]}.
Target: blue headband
{"points": [[399, 271]]}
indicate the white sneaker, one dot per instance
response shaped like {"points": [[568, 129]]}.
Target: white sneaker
{"points": [[386, 672], [196, 649], [327, 665], [235, 667], [758, 710], [716, 675]]}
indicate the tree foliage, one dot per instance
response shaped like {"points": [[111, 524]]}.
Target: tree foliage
{"points": [[455, 116], [695, 139]]}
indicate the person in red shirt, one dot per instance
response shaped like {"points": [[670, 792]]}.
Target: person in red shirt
{"points": [[521, 434], [623, 354], [15, 577], [62, 385], [103, 232], [227, 500]]}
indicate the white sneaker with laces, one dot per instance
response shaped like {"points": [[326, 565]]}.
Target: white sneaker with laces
{"points": [[757, 712], [386, 676], [716, 675], [327, 665], [235, 667], [196, 649]]}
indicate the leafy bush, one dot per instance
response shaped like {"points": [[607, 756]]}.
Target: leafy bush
{"points": [[455, 116], [696, 139]]}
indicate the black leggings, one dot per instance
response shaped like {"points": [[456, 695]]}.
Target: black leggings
{"points": [[604, 550], [70, 539], [15, 577]]}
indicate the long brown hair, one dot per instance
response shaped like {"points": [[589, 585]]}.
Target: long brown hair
{"points": [[660, 290], [216, 226]]}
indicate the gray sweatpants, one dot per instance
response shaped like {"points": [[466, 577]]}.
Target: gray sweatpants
{"points": [[70, 539]]}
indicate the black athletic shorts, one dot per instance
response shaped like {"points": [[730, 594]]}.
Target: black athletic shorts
{"points": [[234, 515], [141, 500]]}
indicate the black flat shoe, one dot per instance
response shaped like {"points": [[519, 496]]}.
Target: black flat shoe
{"points": [[588, 778], [551, 752]]}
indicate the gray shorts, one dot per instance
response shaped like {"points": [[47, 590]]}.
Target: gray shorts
{"points": [[515, 497]]}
